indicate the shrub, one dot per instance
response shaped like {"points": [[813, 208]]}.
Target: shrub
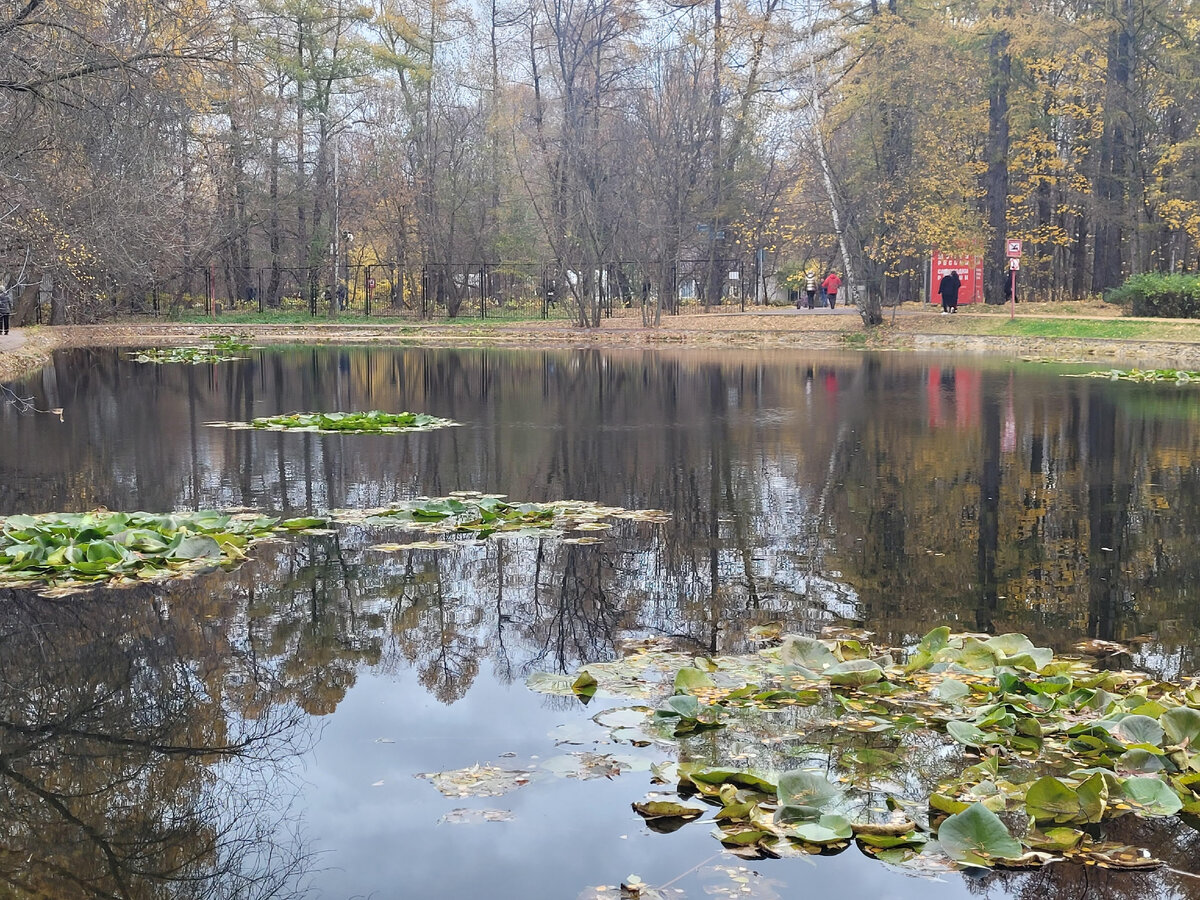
{"points": [[1156, 294]]}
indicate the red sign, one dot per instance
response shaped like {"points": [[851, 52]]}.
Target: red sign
{"points": [[1014, 249], [970, 273]]}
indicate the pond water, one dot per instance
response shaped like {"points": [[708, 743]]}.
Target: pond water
{"points": [[258, 732]]}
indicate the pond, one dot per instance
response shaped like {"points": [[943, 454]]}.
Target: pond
{"points": [[273, 728]]}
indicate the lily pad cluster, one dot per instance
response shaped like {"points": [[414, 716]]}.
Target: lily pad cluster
{"points": [[487, 515], [959, 751], [1175, 376], [372, 422], [69, 551], [222, 349]]}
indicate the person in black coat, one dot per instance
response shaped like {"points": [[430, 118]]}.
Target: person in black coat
{"points": [[948, 288], [6, 306]]}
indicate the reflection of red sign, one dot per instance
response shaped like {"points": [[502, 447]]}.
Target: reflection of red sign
{"points": [[970, 273], [371, 284]]}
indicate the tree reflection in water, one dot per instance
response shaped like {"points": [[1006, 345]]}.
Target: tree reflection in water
{"points": [[131, 765], [1175, 846]]}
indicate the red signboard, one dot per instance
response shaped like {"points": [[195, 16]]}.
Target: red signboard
{"points": [[970, 273]]}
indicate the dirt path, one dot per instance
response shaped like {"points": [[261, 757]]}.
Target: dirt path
{"points": [[25, 350]]}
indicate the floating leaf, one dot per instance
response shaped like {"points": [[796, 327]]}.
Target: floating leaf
{"points": [[1151, 797], [667, 809], [1056, 840], [854, 673], [477, 781], [1050, 800], [951, 690], [976, 836], [806, 652], [584, 684], [550, 683], [1181, 725], [690, 680], [1138, 730], [304, 522], [967, 734], [805, 796], [828, 829]]}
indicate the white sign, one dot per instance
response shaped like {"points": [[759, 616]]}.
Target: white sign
{"points": [[1014, 264], [1014, 248]]}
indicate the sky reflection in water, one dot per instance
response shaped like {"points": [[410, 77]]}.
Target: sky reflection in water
{"points": [[893, 492]]}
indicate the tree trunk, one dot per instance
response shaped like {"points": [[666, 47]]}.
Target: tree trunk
{"points": [[1111, 189], [996, 181]]}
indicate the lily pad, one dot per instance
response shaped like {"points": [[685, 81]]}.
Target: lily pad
{"points": [[977, 837], [1151, 797], [690, 680], [1181, 725], [806, 652], [667, 809], [1138, 730], [854, 673], [828, 829]]}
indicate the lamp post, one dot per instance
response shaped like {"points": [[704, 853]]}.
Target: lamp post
{"points": [[344, 281]]}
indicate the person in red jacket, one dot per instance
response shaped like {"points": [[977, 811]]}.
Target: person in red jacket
{"points": [[831, 285]]}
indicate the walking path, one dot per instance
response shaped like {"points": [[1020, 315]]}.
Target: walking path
{"points": [[11, 341]]}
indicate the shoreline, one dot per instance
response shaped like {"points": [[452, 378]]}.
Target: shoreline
{"points": [[25, 351]]}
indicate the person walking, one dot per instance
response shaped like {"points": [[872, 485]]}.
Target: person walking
{"points": [[948, 288], [810, 286], [6, 308], [830, 285]]}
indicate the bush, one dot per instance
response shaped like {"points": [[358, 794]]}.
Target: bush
{"points": [[1159, 295]]}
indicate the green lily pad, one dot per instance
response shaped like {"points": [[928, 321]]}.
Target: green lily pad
{"points": [[828, 829], [805, 796], [1151, 797], [977, 837], [951, 690], [667, 809], [1050, 800], [967, 734], [1138, 730], [854, 673], [1181, 725], [690, 680]]}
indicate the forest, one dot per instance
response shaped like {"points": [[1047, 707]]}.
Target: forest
{"points": [[272, 149]]}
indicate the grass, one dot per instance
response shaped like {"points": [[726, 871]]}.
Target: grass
{"points": [[1037, 326]]}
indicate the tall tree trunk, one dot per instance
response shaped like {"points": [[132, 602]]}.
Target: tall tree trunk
{"points": [[996, 183], [1111, 187]]}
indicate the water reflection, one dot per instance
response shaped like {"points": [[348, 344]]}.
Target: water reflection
{"points": [[125, 737], [888, 490], [895, 493]]}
